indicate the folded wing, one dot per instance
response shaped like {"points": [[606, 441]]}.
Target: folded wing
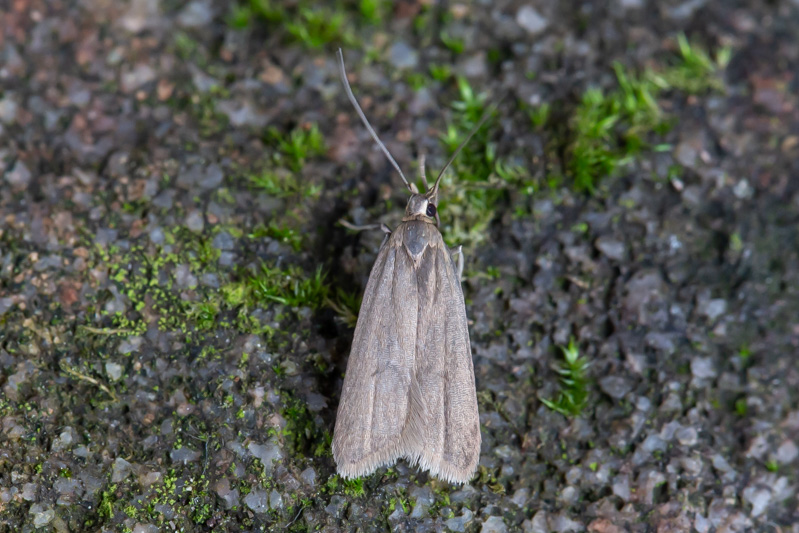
{"points": [[374, 405], [444, 433], [409, 390]]}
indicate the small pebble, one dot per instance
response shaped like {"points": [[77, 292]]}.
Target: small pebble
{"points": [[195, 221], [114, 370], [120, 470], [787, 452], [309, 476], [703, 368], [184, 455], [63, 441], [494, 524], [275, 500], [531, 20], [460, 522], [423, 498], [42, 514], [223, 241], [136, 77], [336, 506], [268, 453], [687, 436], [196, 14], [257, 500], [616, 387], [611, 248], [712, 309], [402, 56], [19, 175], [8, 109]]}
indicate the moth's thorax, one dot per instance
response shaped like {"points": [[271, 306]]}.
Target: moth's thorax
{"points": [[415, 236], [420, 208]]}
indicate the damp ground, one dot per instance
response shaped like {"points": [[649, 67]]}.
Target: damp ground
{"points": [[177, 297]]}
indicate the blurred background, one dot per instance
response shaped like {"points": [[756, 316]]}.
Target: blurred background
{"points": [[177, 298]]}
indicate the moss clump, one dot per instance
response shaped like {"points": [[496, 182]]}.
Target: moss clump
{"points": [[301, 432], [573, 396], [308, 23]]}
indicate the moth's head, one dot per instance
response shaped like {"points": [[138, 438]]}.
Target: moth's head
{"points": [[421, 204]]}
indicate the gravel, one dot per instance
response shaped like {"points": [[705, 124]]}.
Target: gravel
{"points": [[531, 20], [153, 160], [258, 501]]}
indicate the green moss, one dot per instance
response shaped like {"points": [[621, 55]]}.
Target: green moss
{"points": [[145, 274], [316, 27], [741, 407], [105, 508], [373, 11], [573, 396], [539, 115], [202, 107], [454, 44], [347, 305], [201, 513], [331, 485], [354, 487], [301, 433], [693, 71], [309, 23], [417, 80], [240, 17], [205, 315], [479, 179], [131, 511], [609, 129], [440, 72], [471, 105], [185, 46], [281, 184], [234, 294], [745, 355], [281, 233], [442, 500], [400, 498], [486, 476], [300, 144], [467, 202], [289, 286], [268, 9]]}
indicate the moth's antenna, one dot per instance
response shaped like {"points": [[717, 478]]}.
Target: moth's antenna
{"points": [[488, 112], [343, 73]]}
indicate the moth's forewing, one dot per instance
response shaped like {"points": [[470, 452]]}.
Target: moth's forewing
{"points": [[374, 400], [411, 348], [449, 443]]}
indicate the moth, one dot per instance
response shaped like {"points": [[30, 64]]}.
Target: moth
{"points": [[409, 389]]}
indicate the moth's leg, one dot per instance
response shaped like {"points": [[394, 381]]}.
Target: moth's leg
{"points": [[458, 250], [367, 227]]}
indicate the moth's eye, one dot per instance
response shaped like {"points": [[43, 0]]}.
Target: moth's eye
{"points": [[431, 210]]}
